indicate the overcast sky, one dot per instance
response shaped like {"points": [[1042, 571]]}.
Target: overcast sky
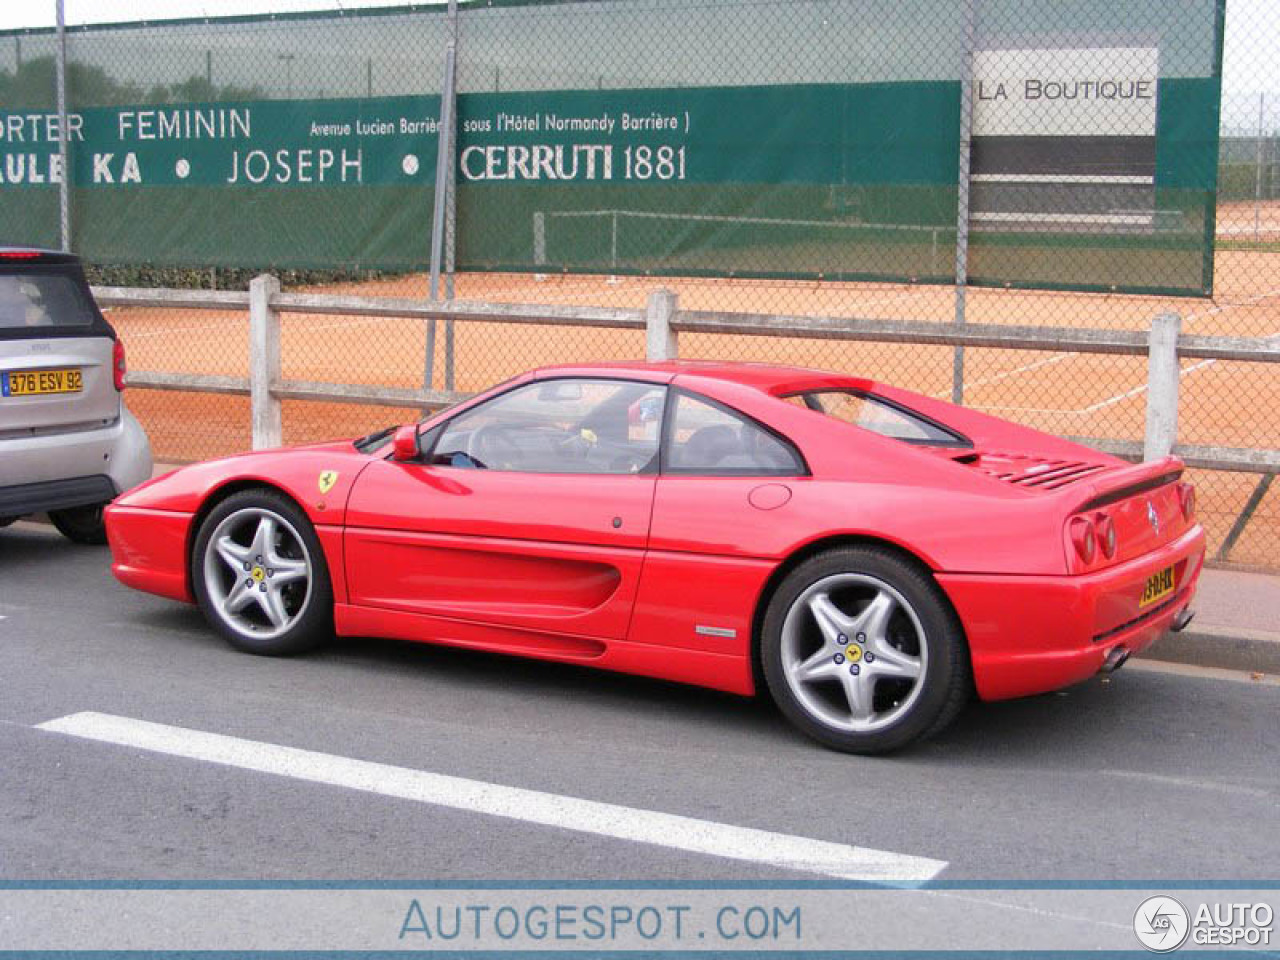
{"points": [[40, 13], [1251, 62]]}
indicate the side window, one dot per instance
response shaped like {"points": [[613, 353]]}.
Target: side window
{"points": [[710, 439], [559, 426], [879, 416]]}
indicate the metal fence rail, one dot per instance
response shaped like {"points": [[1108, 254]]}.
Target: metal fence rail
{"points": [[663, 322]]}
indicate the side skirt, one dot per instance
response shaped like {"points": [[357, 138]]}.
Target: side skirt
{"points": [[717, 671]]}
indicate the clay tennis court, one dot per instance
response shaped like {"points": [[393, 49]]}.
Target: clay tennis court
{"points": [[1085, 395]]}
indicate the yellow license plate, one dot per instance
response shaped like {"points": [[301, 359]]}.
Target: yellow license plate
{"points": [[30, 383], [1159, 585]]}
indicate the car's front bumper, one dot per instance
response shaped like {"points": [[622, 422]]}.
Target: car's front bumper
{"points": [[1033, 634], [149, 549]]}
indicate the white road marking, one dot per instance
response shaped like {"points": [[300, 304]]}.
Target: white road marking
{"points": [[1191, 782], [530, 806], [1254, 678]]}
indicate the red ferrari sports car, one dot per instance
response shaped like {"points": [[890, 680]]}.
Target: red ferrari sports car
{"points": [[870, 555]]}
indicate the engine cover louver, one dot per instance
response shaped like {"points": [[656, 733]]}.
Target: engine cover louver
{"points": [[1034, 472]]}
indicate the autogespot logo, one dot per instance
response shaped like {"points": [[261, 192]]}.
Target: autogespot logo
{"points": [[1162, 924]]}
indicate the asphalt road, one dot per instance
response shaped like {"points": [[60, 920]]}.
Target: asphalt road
{"points": [[1151, 776]]}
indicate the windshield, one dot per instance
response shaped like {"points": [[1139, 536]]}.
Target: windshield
{"points": [[379, 439], [879, 416], [36, 301]]}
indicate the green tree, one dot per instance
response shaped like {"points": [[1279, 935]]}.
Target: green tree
{"points": [[33, 86]]}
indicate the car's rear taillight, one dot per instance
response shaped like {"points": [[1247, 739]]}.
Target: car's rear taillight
{"points": [[1106, 529], [1187, 498], [1085, 538], [118, 366], [19, 254]]}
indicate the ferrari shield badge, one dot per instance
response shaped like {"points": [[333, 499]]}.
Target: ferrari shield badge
{"points": [[327, 479]]}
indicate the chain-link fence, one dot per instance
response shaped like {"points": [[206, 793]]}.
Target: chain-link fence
{"points": [[1083, 164]]}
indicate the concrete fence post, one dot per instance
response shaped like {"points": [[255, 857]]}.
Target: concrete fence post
{"points": [[264, 362], [1163, 378], [660, 339]]}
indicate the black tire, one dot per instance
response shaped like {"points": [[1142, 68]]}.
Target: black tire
{"points": [[81, 524], [312, 622], [944, 681]]}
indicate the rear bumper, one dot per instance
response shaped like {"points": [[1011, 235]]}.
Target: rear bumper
{"points": [[24, 498], [1034, 634], [119, 452]]}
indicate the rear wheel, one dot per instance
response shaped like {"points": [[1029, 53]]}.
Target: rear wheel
{"points": [[81, 524], [862, 651], [260, 575]]}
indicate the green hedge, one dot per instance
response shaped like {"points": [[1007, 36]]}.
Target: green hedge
{"points": [[220, 278]]}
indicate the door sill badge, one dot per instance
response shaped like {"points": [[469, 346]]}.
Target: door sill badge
{"points": [[706, 631]]}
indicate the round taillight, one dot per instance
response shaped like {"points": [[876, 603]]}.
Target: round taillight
{"points": [[1187, 497], [1084, 538], [1106, 528]]}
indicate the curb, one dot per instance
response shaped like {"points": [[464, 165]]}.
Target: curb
{"points": [[1255, 651]]}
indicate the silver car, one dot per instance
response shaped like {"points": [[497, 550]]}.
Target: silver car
{"points": [[68, 446]]}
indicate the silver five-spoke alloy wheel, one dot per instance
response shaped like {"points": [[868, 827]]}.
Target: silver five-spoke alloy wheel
{"points": [[853, 652], [257, 573]]}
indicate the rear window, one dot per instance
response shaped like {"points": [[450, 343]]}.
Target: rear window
{"points": [[31, 302], [879, 416]]}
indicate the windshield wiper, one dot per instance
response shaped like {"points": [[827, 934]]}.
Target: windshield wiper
{"points": [[364, 443]]}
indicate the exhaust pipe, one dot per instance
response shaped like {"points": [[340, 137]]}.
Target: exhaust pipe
{"points": [[1184, 617], [1115, 660]]}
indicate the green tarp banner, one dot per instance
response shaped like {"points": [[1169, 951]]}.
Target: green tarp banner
{"points": [[283, 183], [1105, 185]]}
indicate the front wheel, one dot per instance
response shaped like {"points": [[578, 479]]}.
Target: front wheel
{"points": [[260, 575], [81, 524], [862, 651]]}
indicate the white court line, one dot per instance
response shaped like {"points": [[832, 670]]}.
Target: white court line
{"points": [[531, 806], [1002, 409], [1221, 307], [1016, 371], [1120, 397], [1139, 390], [209, 331]]}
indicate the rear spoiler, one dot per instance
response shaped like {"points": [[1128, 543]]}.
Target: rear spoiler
{"points": [[1125, 482]]}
